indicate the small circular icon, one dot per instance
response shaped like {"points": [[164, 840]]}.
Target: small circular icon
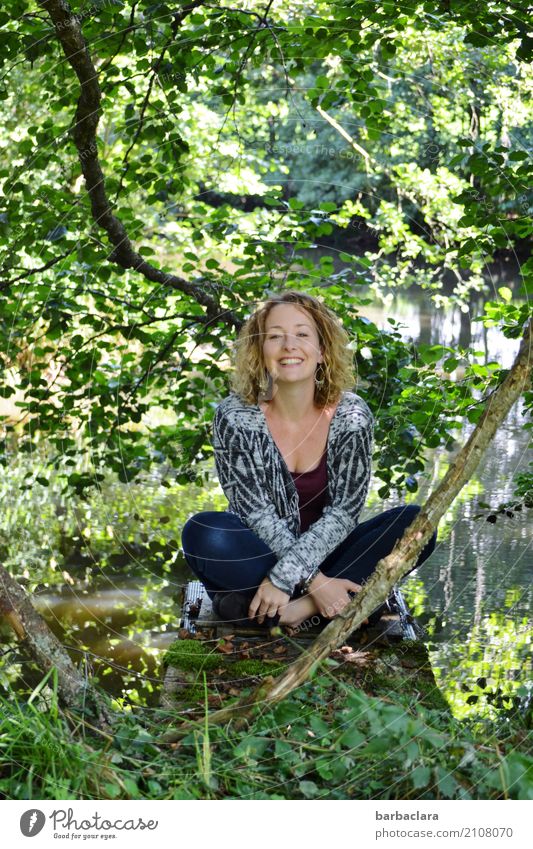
{"points": [[32, 822]]}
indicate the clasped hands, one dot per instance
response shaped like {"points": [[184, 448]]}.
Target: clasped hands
{"points": [[329, 595]]}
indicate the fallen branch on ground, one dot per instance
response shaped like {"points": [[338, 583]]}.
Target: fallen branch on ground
{"points": [[74, 690]]}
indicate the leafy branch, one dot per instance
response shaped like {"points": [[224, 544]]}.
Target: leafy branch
{"points": [[88, 112]]}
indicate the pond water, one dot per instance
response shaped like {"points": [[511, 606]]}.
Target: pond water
{"points": [[473, 596]]}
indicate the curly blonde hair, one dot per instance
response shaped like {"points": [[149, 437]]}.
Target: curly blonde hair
{"points": [[338, 371]]}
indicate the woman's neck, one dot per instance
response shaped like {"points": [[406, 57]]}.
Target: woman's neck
{"points": [[293, 403]]}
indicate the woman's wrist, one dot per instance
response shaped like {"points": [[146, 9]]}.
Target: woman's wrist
{"points": [[313, 582]]}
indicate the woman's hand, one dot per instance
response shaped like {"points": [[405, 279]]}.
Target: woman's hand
{"points": [[267, 601], [331, 595]]}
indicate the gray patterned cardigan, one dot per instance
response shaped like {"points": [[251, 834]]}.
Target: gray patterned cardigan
{"points": [[261, 491]]}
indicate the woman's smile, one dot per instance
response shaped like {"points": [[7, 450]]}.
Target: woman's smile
{"points": [[290, 362]]}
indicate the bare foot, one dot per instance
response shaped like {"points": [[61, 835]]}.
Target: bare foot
{"points": [[298, 610]]}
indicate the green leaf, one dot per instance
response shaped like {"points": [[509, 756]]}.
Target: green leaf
{"points": [[131, 786], [287, 712], [251, 747], [411, 484], [505, 293], [446, 783], [320, 727], [112, 790], [430, 354], [450, 364], [309, 789], [420, 776], [352, 738]]}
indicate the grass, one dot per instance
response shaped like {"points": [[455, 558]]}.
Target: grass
{"points": [[330, 739], [327, 740]]}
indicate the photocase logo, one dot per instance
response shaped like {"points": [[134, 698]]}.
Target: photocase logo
{"points": [[32, 822]]}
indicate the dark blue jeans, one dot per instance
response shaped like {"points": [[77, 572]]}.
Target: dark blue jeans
{"points": [[225, 555]]}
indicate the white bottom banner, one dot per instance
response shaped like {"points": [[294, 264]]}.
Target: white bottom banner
{"points": [[352, 823]]}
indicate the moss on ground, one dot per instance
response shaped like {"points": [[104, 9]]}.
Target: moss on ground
{"points": [[192, 694], [254, 668], [191, 655], [397, 671]]}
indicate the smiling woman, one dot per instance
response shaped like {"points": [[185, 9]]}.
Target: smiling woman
{"points": [[293, 449]]}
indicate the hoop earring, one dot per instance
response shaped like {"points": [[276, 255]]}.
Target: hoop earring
{"points": [[320, 379], [265, 382]]}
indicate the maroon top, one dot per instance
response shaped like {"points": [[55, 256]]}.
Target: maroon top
{"points": [[312, 488]]}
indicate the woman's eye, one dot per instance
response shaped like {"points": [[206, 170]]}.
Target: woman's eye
{"points": [[277, 335]]}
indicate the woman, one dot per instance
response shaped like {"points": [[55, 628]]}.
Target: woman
{"points": [[292, 450]]}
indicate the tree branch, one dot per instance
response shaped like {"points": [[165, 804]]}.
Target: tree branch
{"points": [[35, 635], [88, 112], [346, 136], [5, 284]]}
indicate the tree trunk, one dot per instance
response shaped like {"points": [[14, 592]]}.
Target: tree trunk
{"points": [[74, 690], [392, 568]]}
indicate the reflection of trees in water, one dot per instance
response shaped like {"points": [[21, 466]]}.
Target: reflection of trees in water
{"points": [[478, 572], [484, 673], [426, 318], [465, 328], [480, 590], [427, 325], [446, 572], [475, 562]]}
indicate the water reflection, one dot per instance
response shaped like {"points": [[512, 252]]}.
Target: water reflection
{"points": [[475, 592], [451, 327]]}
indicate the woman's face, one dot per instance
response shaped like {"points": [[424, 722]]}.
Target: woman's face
{"points": [[291, 347]]}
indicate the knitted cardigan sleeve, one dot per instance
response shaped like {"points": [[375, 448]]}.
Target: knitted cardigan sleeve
{"points": [[352, 454], [243, 480]]}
